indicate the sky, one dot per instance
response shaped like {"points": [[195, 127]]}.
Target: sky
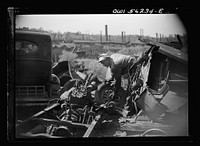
{"points": [[151, 24]]}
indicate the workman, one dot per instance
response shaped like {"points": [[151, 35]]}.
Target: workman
{"points": [[119, 66]]}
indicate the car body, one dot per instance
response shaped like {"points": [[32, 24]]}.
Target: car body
{"points": [[33, 69]]}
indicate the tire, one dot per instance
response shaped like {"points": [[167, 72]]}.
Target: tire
{"points": [[100, 92], [63, 131]]}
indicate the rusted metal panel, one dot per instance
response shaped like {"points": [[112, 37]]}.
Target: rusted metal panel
{"points": [[168, 51]]}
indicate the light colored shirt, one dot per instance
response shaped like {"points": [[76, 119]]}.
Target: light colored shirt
{"points": [[122, 63]]}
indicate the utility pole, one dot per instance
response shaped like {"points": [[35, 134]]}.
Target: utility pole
{"points": [[160, 36], [156, 36], [83, 37], [106, 32], [141, 32], [122, 36], [101, 36]]}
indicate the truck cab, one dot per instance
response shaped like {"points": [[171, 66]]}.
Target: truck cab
{"points": [[33, 71]]}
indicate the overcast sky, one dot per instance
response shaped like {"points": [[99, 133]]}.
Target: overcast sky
{"points": [[94, 23]]}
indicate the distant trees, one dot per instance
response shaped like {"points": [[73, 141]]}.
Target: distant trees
{"points": [[93, 66], [67, 37]]}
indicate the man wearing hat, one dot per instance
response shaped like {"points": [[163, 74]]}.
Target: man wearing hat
{"points": [[119, 65]]}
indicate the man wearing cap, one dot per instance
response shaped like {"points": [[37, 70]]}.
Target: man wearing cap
{"points": [[119, 65]]}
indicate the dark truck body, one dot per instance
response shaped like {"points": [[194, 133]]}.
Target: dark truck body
{"points": [[33, 69]]}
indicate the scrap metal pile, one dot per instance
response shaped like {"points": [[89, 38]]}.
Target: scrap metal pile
{"points": [[63, 118]]}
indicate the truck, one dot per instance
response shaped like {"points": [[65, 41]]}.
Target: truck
{"points": [[33, 72]]}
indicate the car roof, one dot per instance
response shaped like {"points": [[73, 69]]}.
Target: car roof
{"points": [[32, 32]]}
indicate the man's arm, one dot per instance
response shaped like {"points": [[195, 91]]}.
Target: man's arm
{"points": [[65, 95], [109, 75]]}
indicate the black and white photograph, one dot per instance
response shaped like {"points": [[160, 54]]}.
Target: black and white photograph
{"points": [[122, 74]]}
